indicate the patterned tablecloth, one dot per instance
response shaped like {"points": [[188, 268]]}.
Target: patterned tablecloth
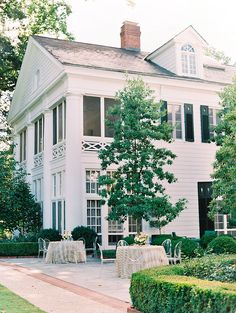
{"points": [[146, 256], [66, 252]]}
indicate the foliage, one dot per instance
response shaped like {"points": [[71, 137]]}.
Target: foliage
{"points": [[163, 288], [206, 239], [224, 191], [18, 21], [129, 240], [158, 239], [108, 254], [212, 268], [85, 232], [223, 244], [19, 249], [18, 208], [218, 55], [49, 233], [136, 188], [10, 302]]}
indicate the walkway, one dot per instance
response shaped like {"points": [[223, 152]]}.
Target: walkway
{"points": [[71, 288]]}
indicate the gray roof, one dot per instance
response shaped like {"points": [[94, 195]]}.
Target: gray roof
{"points": [[120, 60], [98, 56]]}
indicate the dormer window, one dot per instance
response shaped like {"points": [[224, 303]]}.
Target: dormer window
{"points": [[188, 60]]}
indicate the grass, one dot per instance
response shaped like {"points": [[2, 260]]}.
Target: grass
{"points": [[11, 303]]}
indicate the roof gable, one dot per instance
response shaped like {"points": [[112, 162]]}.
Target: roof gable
{"points": [[37, 61]]}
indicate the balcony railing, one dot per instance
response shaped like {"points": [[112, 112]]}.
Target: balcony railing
{"points": [[38, 159], [59, 150]]}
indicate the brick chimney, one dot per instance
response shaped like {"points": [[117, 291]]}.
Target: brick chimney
{"points": [[130, 36]]}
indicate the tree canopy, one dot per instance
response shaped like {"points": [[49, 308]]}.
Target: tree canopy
{"points": [[224, 184], [18, 208], [142, 164]]}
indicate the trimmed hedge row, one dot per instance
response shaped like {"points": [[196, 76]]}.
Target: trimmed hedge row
{"points": [[166, 290], [19, 249]]}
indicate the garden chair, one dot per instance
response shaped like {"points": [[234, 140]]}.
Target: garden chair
{"points": [[82, 239], [177, 254], [122, 243], [101, 256], [93, 248], [167, 246], [42, 247]]}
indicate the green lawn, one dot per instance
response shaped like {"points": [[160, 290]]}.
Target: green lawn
{"points": [[11, 303]]}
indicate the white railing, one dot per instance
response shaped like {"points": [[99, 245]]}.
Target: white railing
{"points": [[38, 159], [88, 145], [59, 150]]}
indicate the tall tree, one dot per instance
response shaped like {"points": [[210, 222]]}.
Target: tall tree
{"points": [[18, 208], [20, 19], [224, 184], [136, 189]]}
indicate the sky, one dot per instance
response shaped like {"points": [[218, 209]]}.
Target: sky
{"points": [[99, 21]]}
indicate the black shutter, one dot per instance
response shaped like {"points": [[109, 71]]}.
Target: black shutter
{"points": [[205, 123], [164, 118], [188, 114]]}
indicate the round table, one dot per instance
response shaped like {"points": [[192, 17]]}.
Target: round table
{"points": [[66, 251], [130, 259]]}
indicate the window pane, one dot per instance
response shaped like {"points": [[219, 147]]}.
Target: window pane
{"points": [[40, 135], [64, 119], [36, 138], [108, 104], [60, 123], [54, 215], [92, 116], [54, 126], [24, 145], [59, 216]]}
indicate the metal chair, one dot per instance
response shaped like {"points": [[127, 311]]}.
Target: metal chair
{"points": [[101, 256], [177, 254], [167, 246], [122, 243], [82, 239], [42, 247], [93, 248]]}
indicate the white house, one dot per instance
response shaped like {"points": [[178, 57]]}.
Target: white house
{"points": [[62, 95]]}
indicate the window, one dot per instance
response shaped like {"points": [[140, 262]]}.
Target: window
{"points": [[108, 104], [95, 114], [58, 202], [59, 123], [213, 120], [92, 181], [38, 189], [209, 119], [23, 146], [188, 60], [115, 231], [135, 225], [188, 118], [38, 135], [175, 119], [94, 219]]}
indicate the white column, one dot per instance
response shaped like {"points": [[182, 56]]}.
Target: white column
{"points": [[30, 151], [74, 214], [47, 157]]}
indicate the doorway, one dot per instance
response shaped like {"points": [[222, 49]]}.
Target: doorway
{"points": [[204, 198]]}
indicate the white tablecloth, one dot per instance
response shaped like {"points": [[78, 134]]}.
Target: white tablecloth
{"points": [[66, 251], [147, 256]]}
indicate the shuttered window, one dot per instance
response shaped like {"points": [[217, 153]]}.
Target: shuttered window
{"points": [[205, 130], [189, 126], [164, 117]]}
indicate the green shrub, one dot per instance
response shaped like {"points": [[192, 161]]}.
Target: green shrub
{"points": [[19, 249], [190, 248], [129, 240], [212, 267], [206, 239], [166, 290], [222, 244], [109, 254], [51, 234], [85, 232]]}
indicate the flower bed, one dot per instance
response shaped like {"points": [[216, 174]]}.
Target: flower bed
{"points": [[166, 289]]}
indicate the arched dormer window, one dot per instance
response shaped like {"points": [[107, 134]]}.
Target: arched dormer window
{"points": [[188, 59]]}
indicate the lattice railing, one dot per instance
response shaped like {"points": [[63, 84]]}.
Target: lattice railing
{"points": [[59, 150], [38, 159], [93, 145]]}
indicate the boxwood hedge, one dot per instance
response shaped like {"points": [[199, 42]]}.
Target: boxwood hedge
{"points": [[19, 249], [167, 290]]}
